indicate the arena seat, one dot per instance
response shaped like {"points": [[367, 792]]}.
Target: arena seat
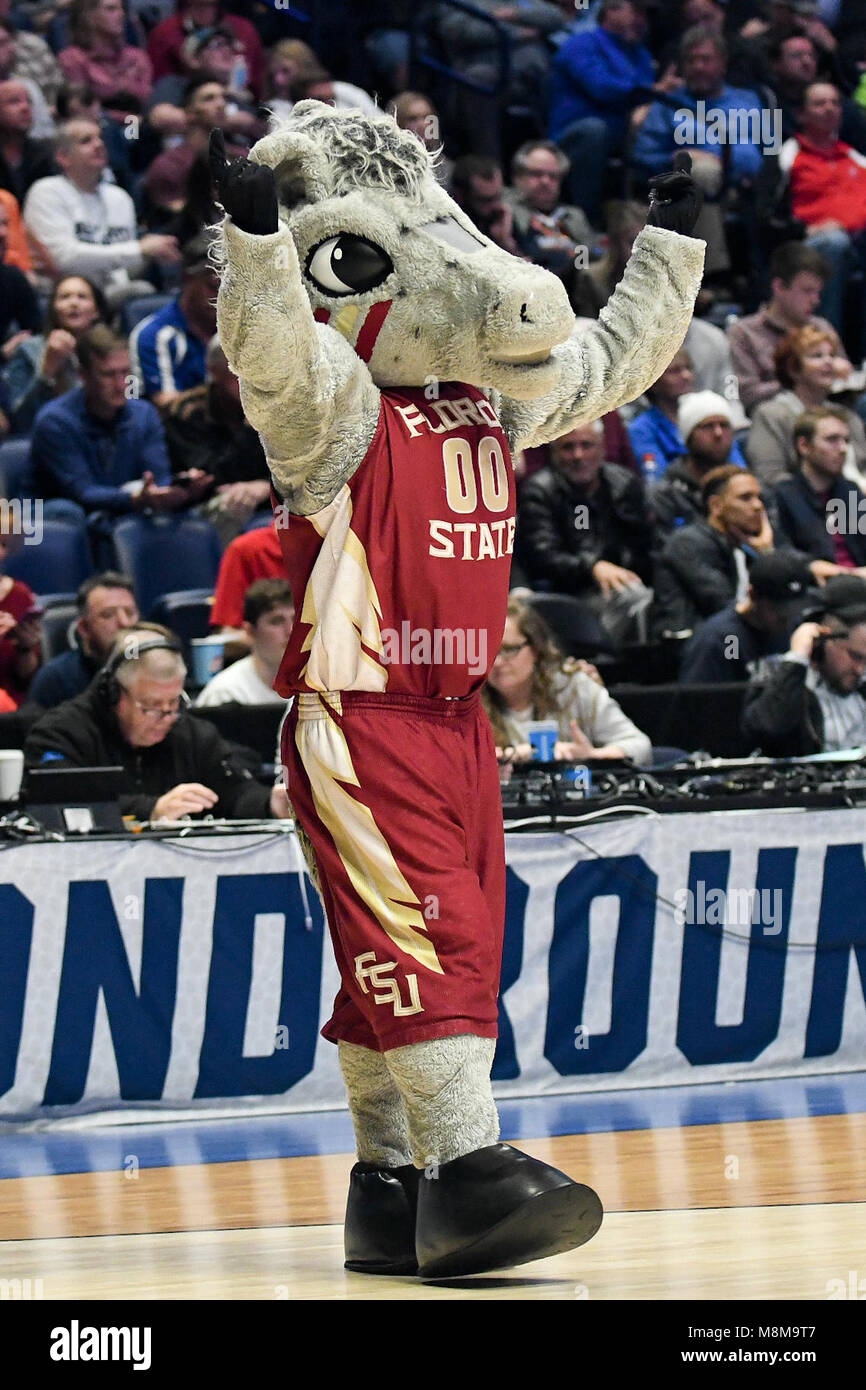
{"points": [[574, 625], [254, 726], [694, 717], [167, 553], [186, 612], [134, 310], [62, 553], [57, 624], [15, 477]]}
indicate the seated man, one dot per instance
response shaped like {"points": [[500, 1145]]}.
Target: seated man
{"points": [[551, 233], [102, 450], [88, 227], [812, 701], [478, 185], [206, 429], [106, 606], [706, 424], [133, 714], [598, 76], [825, 180], [583, 529], [703, 566], [204, 108], [167, 350], [689, 120], [798, 274], [820, 512], [731, 645], [269, 615]]}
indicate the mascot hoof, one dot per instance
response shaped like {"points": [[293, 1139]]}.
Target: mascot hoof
{"points": [[380, 1219], [497, 1207]]}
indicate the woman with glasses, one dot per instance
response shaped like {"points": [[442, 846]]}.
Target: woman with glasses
{"points": [[532, 680]]}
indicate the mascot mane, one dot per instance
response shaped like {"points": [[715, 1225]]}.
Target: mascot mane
{"points": [[362, 151]]}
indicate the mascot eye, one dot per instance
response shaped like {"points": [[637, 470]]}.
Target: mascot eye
{"points": [[348, 264]]}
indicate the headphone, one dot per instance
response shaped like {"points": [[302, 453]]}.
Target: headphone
{"points": [[108, 687]]}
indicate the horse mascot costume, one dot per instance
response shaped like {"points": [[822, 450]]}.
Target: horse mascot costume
{"points": [[392, 358]]}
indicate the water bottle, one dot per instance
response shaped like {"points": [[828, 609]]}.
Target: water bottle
{"points": [[239, 74], [650, 469]]}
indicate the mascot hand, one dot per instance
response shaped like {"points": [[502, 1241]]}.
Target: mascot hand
{"points": [[675, 199], [247, 191]]}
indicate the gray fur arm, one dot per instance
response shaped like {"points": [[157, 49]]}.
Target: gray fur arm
{"points": [[303, 388], [614, 360]]}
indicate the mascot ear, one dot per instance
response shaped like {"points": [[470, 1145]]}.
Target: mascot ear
{"points": [[300, 167]]}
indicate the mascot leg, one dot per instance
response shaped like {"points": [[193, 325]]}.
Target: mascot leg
{"points": [[383, 1185], [481, 1205]]}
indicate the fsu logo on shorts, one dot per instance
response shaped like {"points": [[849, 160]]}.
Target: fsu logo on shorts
{"points": [[376, 974]]}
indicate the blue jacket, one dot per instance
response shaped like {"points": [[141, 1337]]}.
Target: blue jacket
{"points": [[596, 74], [652, 432], [62, 678], [666, 131], [165, 354], [88, 460]]}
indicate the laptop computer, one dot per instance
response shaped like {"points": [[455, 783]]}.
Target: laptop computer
{"points": [[75, 800]]}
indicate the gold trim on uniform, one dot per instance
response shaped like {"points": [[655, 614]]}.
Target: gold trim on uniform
{"points": [[363, 850]]}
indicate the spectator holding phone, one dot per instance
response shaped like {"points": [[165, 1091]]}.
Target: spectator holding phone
{"points": [[813, 702], [99, 449]]}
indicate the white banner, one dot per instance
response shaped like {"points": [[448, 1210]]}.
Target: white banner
{"points": [[154, 975]]}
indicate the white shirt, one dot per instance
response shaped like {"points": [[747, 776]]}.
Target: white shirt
{"points": [[239, 684], [91, 234], [844, 715]]}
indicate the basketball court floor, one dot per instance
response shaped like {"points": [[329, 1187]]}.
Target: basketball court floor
{"points": [[750, 1190]]}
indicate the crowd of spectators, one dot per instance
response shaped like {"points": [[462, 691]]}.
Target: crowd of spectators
{"points": [[701, 512]]}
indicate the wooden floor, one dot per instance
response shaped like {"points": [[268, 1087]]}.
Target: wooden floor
{"points": [[750, 1210]]}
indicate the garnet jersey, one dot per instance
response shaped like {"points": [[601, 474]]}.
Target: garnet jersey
{"points": [[401, 583]]}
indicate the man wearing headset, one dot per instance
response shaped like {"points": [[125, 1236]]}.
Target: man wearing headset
{"points": [[813, 700], [134, 714]]}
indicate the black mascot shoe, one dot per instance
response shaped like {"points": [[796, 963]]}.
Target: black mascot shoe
{"points": [[495, 1208], [380, 1219]]}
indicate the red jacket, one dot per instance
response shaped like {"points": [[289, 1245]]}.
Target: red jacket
{"points": [[826, 185]]}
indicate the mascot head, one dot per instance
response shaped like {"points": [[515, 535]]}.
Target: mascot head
{"points": [[392, 263]]}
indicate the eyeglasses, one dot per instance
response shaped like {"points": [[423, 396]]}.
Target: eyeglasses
{"points": [[508, 650], [156, 712]]}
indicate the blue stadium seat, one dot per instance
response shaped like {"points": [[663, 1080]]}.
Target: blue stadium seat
{"points": [[15, 479], [61, 599], [62, 554], [134, 310], [164, 554], [186, 612], [57, 624]]}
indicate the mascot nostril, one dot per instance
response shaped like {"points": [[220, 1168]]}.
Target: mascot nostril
{"points": [[375, 334]]}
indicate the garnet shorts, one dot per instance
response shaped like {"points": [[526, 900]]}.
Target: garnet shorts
{"points": [[399, 797]]}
